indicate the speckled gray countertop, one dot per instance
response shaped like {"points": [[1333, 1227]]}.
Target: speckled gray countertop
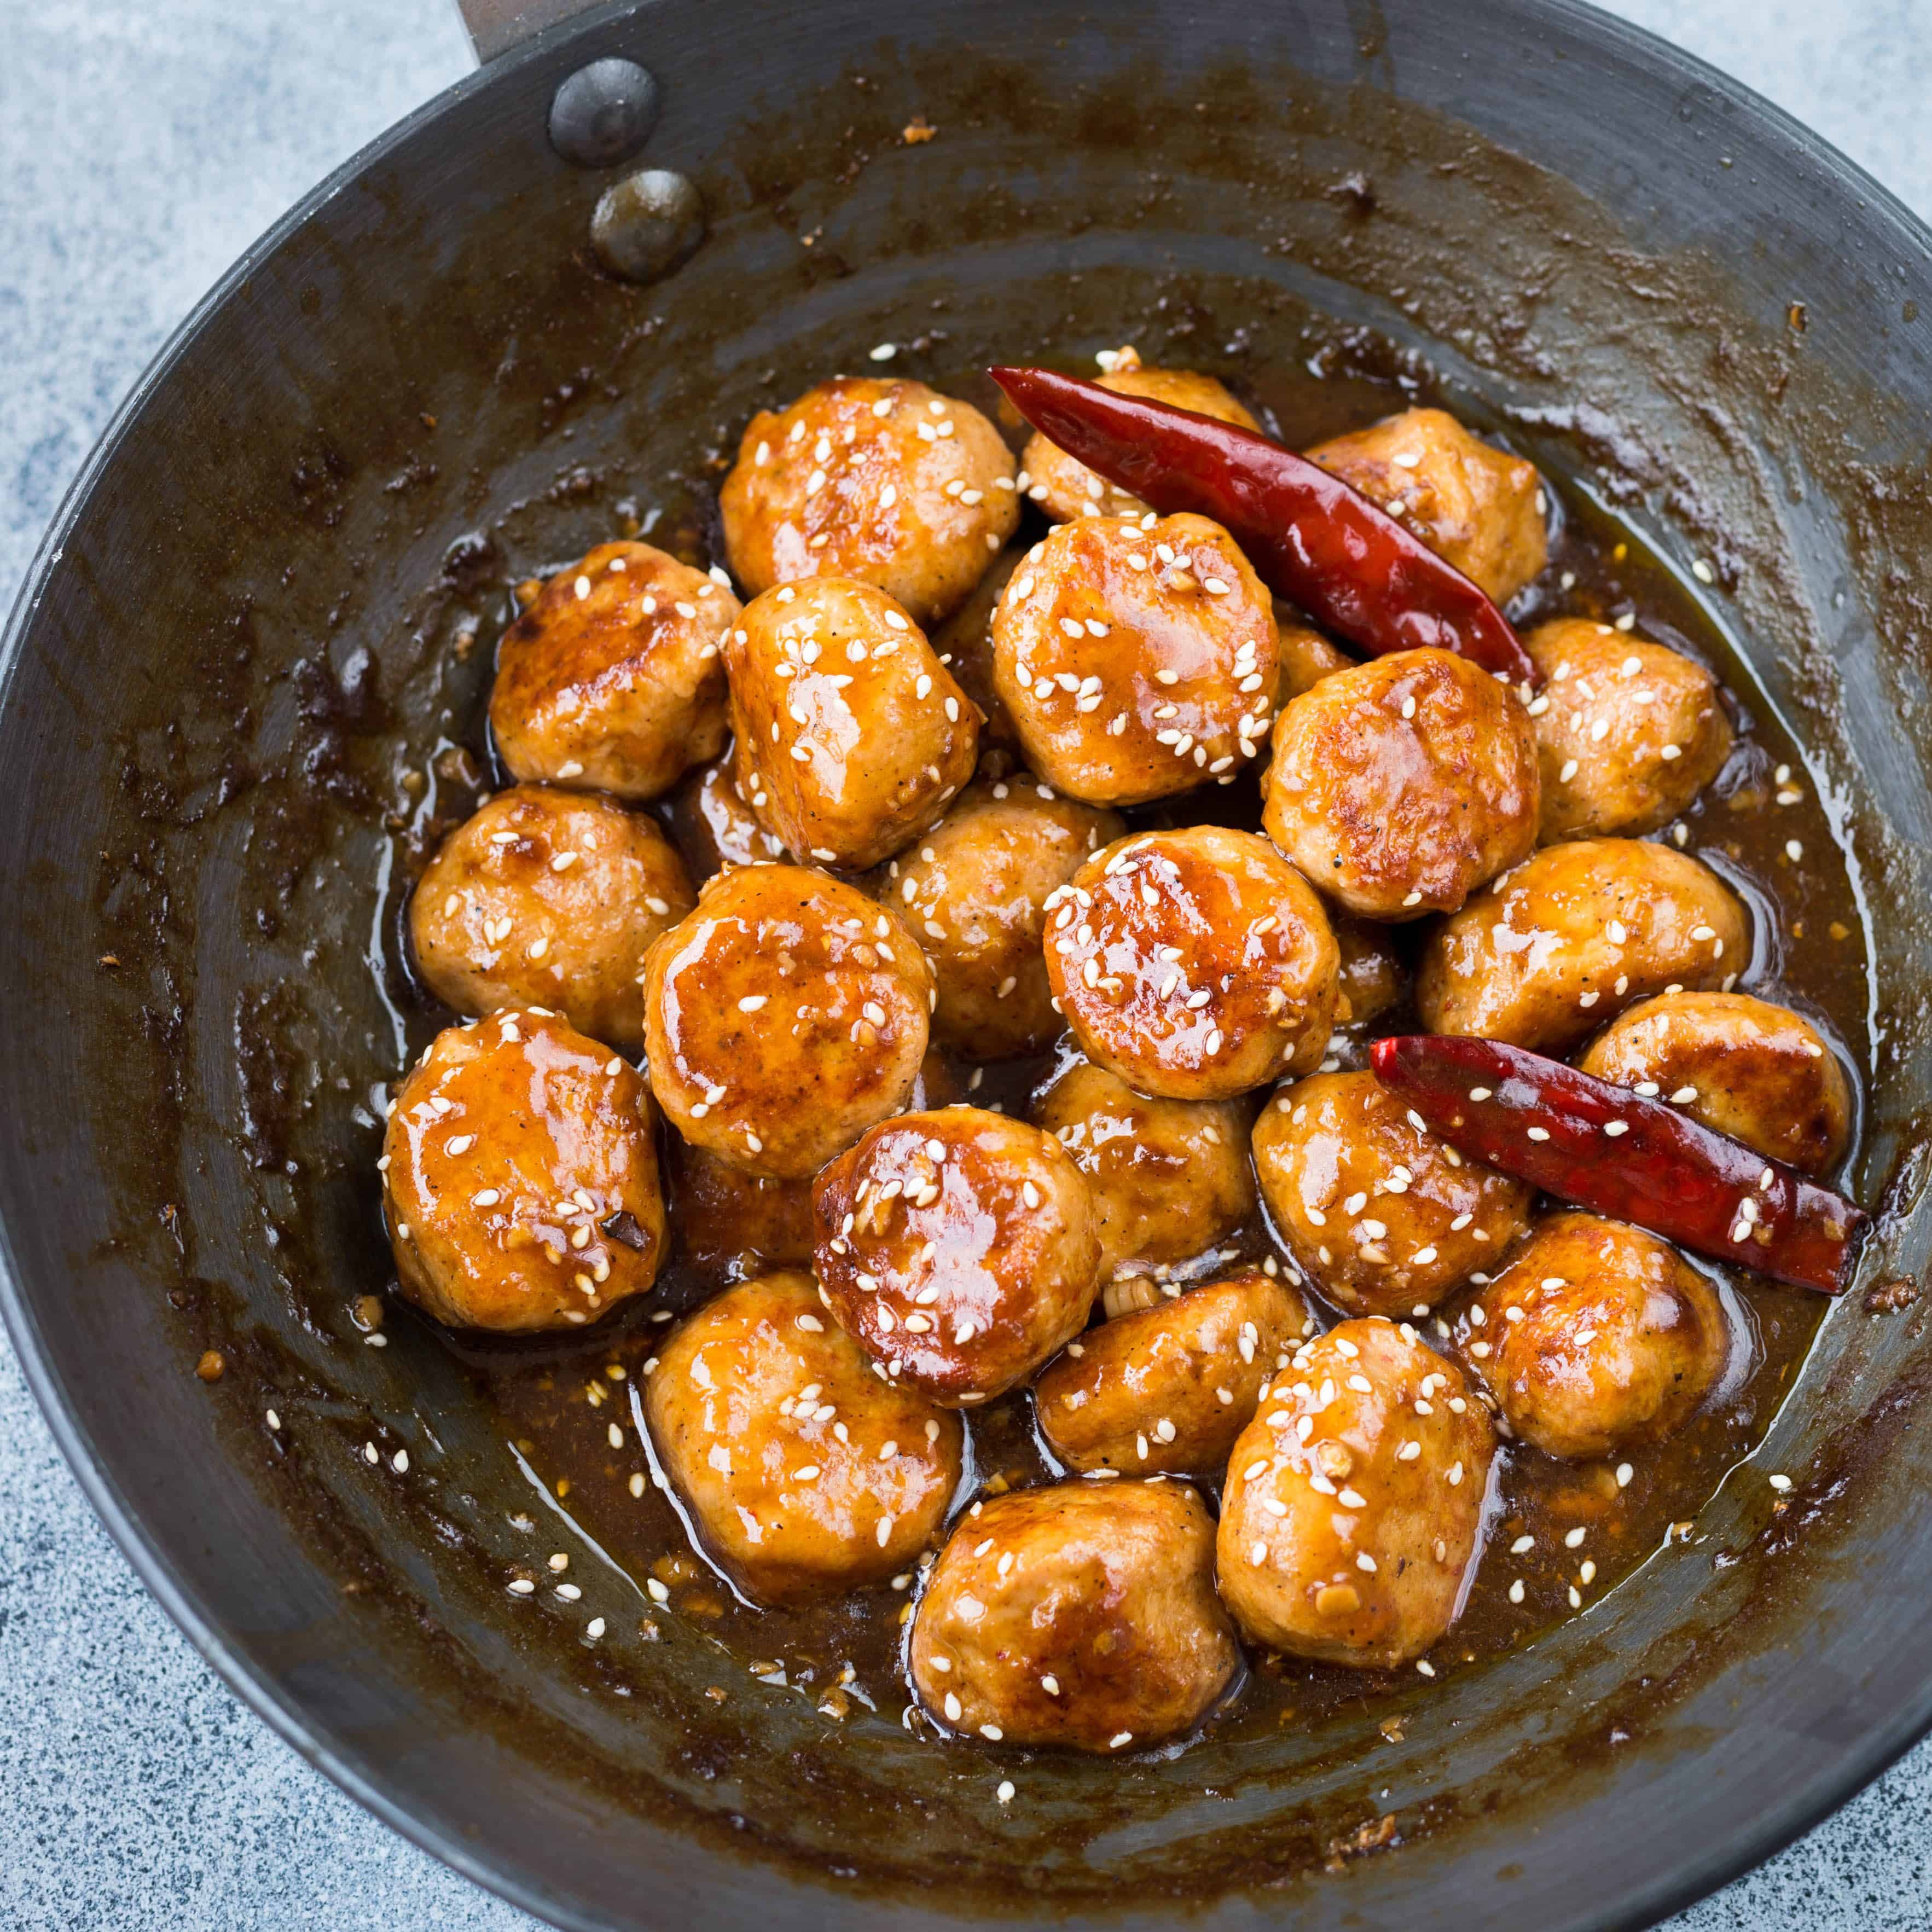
{"points": [[142, 148]]}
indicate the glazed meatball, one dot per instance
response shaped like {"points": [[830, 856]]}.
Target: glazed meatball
{"points": [[1401, 785], [964, 644], [1195, 964], [1596, 1338], [1166, 1390], [1305, 657], [1354, 1500], [727, 1219], [1760, 1073], [1170, 1178], [1628, 733], [975, 889], [885, 481], [1138, 659], [783, 1017], [805, 1476], [1083, 1614], [1065, 488], [551, 896], [859, 736], [1373, 979], [1384, 1218], [1477, 507], [1571, 938], [612, 679], [520, 1178], [959, 1248], [714, 824]]}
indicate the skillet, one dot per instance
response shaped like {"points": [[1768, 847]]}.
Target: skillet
{"points": [[249, 612]]}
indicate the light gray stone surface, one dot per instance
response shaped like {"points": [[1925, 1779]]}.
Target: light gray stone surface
{"points": [[142, 147]]}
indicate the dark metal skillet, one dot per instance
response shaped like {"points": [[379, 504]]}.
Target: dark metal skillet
{"points": [[187, 799]]}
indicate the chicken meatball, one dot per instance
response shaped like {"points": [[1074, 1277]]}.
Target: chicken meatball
{"points": [[713, 822], [859, 734], [1064, 487], [1401, 785], [805, 1476], [1138, 659], [959, 1248], [552, 896], [1166, 1390], [1082, 1614], [783, 1017], [885, 481], [1571, 938], [1384, 1218], [1195, 964], [965, 646], [1373, 979], [1628, 732], [520, 1178], [728, 1219], [1760, 1073], [1170, 1178], [1305, 657], [1596, 1338], [1354, 1500], [612, 679], [975, 890], [1477, 508]]}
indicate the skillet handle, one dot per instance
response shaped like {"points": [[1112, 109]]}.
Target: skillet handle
{"points": [[496, 26]]}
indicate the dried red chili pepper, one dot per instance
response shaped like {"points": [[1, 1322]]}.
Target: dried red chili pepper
{"points": [[1351, 566], [1616, 1152]]}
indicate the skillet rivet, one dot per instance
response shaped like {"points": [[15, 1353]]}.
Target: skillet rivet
{"points": [[603, 113], [646, 224]]}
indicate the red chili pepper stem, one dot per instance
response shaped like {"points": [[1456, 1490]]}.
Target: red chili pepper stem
{"points": [[1355, 569], [1602, 1147]]}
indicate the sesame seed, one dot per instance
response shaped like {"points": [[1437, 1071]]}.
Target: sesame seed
{"points": [[1780, 1483]]}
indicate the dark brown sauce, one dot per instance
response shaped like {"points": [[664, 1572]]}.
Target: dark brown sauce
{"points": [[558, 1401]]}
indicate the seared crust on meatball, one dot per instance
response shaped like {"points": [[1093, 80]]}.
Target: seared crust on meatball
{"points": [[520, 1178], [886, 482], [1304, 657], [1572, 937], [958, 1248], [1170, 1178], [1477, 507], [975, 889], [1597, 1337], [805, 1476], [1083, 1614], [1138, 659], [713, 822], [1375, 1456], [859, 735], [783, 1017], [1195, 964], [1628, 732], [612, 680], [546, 897], [1401, 785], [1384, 1218], [1165, 1390], [1760, 1073], [1373, 978]]}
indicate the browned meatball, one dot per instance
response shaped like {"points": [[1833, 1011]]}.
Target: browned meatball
{"points": [[1354, 1501], [959, 1248], [965, 646], [1760, 1073], [1597, 1337], [1166, 1390], [783, 1017], [1384, 1218], [1305, 656], [1170, 1178], [520, 1177], [548, 896], [612, 680], [1629, 733], [1064, 488], [1083, 1614], [885, 481], [1373, 978], [1401, 785], [1195, 964], [805, 1474], [859, 733], [1477, 507], [975, 889], [713, 822], [1571, 938], [724, 1216], [1138, 659]]}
